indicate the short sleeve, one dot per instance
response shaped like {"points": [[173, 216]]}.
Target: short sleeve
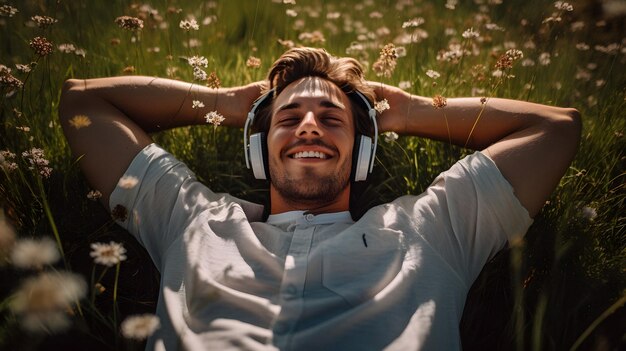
{"points": [[158, 197], [468, 214]]}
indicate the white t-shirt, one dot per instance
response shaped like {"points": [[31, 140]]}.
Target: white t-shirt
{"points": [[396, 279]]}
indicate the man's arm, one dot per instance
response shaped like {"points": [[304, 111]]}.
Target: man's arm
{"points": [[531, 144], [123, 110]]}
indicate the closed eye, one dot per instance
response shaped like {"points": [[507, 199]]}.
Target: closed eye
{"points": [[332, 121], [289, 121]]}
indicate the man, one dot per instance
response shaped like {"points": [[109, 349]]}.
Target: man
{"points": [[309, 276]]}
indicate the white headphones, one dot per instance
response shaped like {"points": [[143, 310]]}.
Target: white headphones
{"points": [[255, 149]]}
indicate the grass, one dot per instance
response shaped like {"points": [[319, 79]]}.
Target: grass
{"points": [[562, 288]]}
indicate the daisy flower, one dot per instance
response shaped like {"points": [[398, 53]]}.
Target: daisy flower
{"points": [[80, 121], [108, 254]]}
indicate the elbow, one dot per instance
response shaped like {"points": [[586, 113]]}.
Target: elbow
{"points": [[70, 95], [575, 124], [72, 86], [567, 126]]}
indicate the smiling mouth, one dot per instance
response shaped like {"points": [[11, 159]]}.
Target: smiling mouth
{"points": [[309, 154]]}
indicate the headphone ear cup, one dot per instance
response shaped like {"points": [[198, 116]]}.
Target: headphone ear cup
{"points": [[361, 157], [258, 155]]}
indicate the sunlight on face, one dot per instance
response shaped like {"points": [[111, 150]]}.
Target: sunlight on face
{"points": [[310, 143], [311, 87]]}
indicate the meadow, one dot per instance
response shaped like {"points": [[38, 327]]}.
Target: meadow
{"points": [[562, 288]]}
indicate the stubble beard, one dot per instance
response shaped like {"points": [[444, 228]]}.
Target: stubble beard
{"points": [[312, 190]]}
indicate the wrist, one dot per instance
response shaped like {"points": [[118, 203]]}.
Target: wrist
{"points": [[234, 103]]}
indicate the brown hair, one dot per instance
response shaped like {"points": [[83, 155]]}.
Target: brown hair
{"points": [[344, 72]]}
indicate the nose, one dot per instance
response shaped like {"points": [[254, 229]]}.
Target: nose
{"points": [[309, 127]]}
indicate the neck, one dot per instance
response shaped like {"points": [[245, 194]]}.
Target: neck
{"points": [[279, 204]]}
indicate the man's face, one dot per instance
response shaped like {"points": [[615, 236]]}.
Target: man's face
{"points": [[310, 142]]}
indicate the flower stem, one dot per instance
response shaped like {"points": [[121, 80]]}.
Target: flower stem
{"points": [[117, 275], [614, 307], [53, 225]]}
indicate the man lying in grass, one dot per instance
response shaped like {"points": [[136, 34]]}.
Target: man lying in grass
{"points": [[303, 274]]}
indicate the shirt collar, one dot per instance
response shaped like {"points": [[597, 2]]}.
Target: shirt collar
{"points": [[305, 217]]}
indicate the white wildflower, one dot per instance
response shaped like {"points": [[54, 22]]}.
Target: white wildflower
{"points": [[108, 254], [562, 5], [451, 4], [390, 137], [493, 26], [140, 327], [582, 74], [530, 44], [94, 195], [582, 46], [253, 62], [6, 162], [404, 85], [37, 161], [415, 22], [381, 105], [209, 20], [197, 104], [214, 118], [188, 25], [8, 11], [199, 74], [514, 54], [470, 33], [497, 73], [544, 59], [66, 48], [80, 52], [198, 61], [400, 51], [127, 182], [433, 74], [42, 302], [34, 253], [23, 68], [577, 26]]}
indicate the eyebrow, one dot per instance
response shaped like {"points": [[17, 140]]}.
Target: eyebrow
{"points": [[323, 103]]}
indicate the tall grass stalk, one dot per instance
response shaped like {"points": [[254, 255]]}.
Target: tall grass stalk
{"points": [[609, 311]]}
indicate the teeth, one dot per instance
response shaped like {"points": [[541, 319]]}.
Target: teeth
{"points": [[309, 154]]}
